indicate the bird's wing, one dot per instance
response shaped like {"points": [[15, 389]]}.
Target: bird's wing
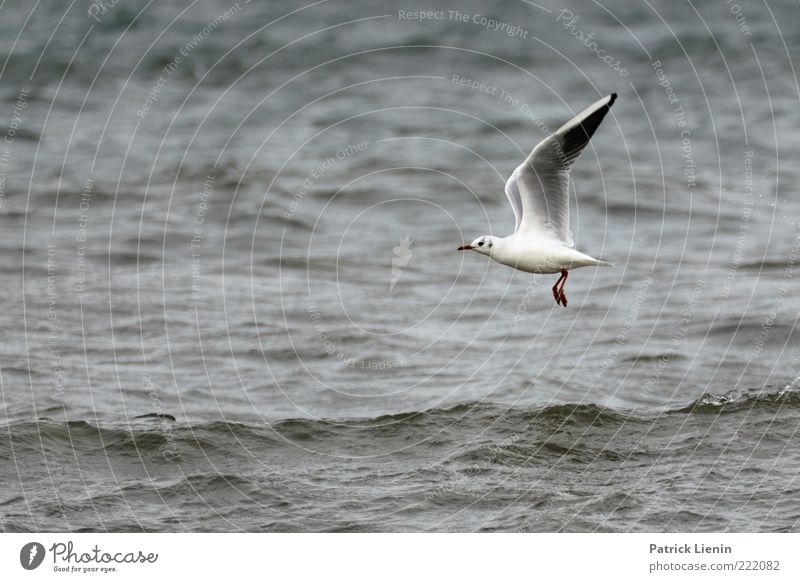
{"points": [[539, 188], [512, 191]]}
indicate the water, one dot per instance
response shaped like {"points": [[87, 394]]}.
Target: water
{"points": [[232, 299]]}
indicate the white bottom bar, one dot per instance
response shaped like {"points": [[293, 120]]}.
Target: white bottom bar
{"points": [[354, 557]]}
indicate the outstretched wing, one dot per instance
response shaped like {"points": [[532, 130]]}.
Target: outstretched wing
{"points": [[539, 188], [512, 192]]}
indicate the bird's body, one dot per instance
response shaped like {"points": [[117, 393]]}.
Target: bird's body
{"points": [[534, 254], [538, 191]]}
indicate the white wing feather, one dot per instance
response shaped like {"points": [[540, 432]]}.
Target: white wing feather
{"points": [[539, 188], [514, 198]]}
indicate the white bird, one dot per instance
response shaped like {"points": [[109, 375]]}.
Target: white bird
{"points": [[539, 194]]}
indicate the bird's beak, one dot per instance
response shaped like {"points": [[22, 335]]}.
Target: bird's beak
{"points": [[464, 248]]}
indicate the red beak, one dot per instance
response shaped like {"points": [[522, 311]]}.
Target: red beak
{"points": [[464, 248]]}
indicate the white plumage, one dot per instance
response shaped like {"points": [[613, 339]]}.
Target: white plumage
{"points": [[538, 191]]}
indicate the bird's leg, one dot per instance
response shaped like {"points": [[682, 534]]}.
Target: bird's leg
{"points": [[562, 298], [556, 292]]}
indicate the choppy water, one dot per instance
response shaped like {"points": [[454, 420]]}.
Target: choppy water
{"points": [[232, 299]]}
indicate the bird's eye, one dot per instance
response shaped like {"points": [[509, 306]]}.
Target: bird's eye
{"points": [[480, 244]]}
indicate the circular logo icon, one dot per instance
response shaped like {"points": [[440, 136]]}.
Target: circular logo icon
{"points": [[31, 555]]}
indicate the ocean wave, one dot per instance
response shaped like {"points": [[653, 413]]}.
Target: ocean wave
{"points": [[736, 402], [152, 431]]}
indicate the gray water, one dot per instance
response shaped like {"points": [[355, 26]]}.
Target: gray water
{"points": [[232, 299]]}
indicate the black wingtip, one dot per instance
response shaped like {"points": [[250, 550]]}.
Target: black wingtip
{"points": [[613, 98]]}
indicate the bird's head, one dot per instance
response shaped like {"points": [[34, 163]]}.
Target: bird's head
{"points": [[482, 245]]}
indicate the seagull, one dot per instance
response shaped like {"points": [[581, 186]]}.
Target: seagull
{"points": [[538, 191]]}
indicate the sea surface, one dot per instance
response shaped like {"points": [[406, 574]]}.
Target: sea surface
{"points": [[231, 299]]}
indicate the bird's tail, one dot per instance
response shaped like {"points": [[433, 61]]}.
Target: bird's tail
{"points": [[601, 263]]}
